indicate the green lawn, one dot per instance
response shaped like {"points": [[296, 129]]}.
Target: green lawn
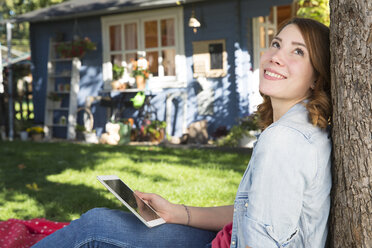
{"points": [[58, 181]]}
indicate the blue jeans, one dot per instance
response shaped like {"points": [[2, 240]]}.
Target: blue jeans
{"points": [[101, 227]]}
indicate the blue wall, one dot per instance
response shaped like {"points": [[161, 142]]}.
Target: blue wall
{"points": [[232, 21], [229, 20], [218, 22]]}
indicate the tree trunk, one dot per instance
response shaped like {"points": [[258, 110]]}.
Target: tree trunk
{"points": [[351, 60]]}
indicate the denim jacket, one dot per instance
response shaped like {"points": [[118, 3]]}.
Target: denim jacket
{"points": [[283, 199]]}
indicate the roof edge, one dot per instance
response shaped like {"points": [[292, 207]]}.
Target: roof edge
{"points": [[65, 10]]}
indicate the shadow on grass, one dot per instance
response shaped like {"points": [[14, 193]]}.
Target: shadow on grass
{"points": [[26, 163], [201, 158], [24, 169], [58, 201]]}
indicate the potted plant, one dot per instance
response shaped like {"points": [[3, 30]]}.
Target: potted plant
{"points": [[155, 130], [56, 99], [117, 76], [242, 134], [23, 135], [80, 129], [21, 127], [76, 48], [83, 134], [36, 133], [125, 130], [140, 71]]}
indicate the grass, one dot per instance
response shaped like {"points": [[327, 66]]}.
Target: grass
{"points": [[58, 181]]}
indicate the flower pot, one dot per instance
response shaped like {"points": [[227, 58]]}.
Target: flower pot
{"points": [[80, 136], [37, 137], [141, 82], [123, 86], [23, 135], [115, 85], [56, 104], [248, 140], [90, 138]]}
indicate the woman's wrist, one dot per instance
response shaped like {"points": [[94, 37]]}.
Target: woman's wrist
{"points": [[181, 215]]}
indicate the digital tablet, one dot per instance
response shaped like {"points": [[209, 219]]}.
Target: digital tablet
{"points": [[134, 203]]}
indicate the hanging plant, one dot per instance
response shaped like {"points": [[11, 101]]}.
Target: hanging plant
{"points": [[76, 48]]}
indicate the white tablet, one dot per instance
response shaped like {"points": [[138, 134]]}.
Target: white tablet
{"points": [[134, 203]]}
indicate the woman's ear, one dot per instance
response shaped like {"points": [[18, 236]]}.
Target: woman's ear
{"points": [[315, 81]]}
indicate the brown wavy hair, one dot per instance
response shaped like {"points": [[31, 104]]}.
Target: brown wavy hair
{"points": [[316, 36]]}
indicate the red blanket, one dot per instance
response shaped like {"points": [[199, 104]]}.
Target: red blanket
{"points": [[24, 233]]}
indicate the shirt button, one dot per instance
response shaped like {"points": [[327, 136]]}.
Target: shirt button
{"points": [[234, 209], [233, 242], [246, 205]]}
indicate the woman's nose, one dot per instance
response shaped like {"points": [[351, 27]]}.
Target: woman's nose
{"points": [[276, 58]]}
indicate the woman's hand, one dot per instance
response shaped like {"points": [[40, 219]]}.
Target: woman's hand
{"points": [[209, 218], [171, 213]]}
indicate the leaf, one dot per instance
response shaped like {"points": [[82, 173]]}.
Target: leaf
{"points": [[33, 186], [21, 166]]}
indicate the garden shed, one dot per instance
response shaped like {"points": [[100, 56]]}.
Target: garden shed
{"points": [[202, 58]]}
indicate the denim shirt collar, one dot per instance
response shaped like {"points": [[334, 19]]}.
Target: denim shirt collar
{"points": [[298, 107]]}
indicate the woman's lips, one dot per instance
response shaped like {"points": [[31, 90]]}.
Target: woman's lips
{"points": [[273, 75]]}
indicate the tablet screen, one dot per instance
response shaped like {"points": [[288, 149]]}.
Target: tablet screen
{"points": [[124, 192]]}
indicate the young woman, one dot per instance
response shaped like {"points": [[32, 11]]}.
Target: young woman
{"points": [[283, 199]]}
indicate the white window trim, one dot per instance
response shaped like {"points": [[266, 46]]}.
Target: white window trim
{"points": [[256, 36], [156, 82]]}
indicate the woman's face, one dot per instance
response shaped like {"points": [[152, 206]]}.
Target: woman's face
{"points": [[286, 73]]}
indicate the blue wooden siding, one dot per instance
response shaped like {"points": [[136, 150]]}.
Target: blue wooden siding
{"points": [[218, 22], [230, 20]]}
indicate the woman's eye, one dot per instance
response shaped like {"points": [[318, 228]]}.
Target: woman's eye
{"points": [[275, 44], [299, 51]]}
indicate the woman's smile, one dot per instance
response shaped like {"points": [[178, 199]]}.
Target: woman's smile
{"points": [[271, 74]]}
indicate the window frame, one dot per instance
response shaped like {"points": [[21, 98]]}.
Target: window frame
{"points": [[256, 27], [158, 82], [160, 48]]}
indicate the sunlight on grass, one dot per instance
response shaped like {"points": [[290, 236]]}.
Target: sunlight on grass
{"points": [[58, 181], [18, 204], [178, 184]]}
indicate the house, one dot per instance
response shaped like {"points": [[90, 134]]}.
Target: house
{"points": [[198, 73]]}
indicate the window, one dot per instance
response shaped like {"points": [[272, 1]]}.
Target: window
{"points": [[157, 34], [215, 51], [123, 49], [209, 58], [264, 29]]}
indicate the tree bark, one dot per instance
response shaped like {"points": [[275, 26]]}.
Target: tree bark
{"points": [[351, 60]]}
